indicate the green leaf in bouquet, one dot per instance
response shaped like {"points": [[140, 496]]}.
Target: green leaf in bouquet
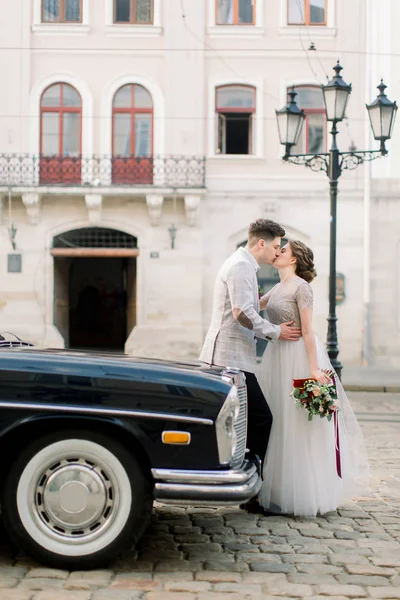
{"points": [[296, 393], [329, 417], [310, 416]]}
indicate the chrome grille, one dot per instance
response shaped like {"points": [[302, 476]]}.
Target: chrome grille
{"points": [[239, 379]]}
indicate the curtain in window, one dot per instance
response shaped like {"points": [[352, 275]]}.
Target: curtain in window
{"points": [[51, 10], [317, 11], [122, 135], [122, 11], [143, 135], [50, 134], [143, 11], [296, 12], [71, 134], [72, 10], [225, 12]]}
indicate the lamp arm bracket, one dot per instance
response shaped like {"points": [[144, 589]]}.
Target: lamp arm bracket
{"points": [[315, 162], [351, 160]]}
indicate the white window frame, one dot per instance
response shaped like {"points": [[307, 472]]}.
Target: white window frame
{"points": [[52, 29], [129, 30], [236, 31], [258, 130], [317, 31]]}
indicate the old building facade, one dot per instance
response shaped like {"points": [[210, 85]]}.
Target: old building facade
{"points": [[138, 139]]}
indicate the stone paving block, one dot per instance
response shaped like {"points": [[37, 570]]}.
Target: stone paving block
{"points": [[267, 567], [107, 594], [278, 548], [287, 589], [384, 592], [218, 596], [260, 557], [18, 572], [181, 565], [37, 584], [353, 514], [314, 579], [49, 573], [211, 547], [170, 596], [386, 561], [242, 547], [370, 570], [305, 558], [15, 595], [234, 567], [218, 576], [319, 569], [379, 545], [349, 591], [8, 582], [62, 595], [362, 580], [192, 538], [194, 587], [174, 576], [311, 548], [348, 535], [239, 588], [136, 584]]}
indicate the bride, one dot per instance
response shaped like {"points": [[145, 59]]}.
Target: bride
{"points": [[307, 470]]}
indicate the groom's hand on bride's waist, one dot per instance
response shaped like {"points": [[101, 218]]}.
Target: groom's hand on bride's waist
{"points": [[289, 333]]}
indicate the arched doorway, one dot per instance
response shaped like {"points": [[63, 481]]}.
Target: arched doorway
{"points": [[95, 287]]}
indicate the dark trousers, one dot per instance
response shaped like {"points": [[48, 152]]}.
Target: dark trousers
{"points": [[259, 420]]}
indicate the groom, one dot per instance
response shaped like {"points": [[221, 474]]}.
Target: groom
{"points": [[235, 323]]}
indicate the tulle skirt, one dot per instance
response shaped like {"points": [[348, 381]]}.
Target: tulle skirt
{"points": [[300, 469]]}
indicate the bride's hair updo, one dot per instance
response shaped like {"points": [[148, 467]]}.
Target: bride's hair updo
{"points": [[305, 260]]}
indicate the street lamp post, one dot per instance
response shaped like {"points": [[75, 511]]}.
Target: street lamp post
{"points": [[382, 114]]}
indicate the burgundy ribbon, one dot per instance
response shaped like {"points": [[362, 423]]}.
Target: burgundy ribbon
{"points": [[337, 444]]}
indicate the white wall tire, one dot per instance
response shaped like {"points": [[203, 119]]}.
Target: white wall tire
{"points": [[73, 498]]}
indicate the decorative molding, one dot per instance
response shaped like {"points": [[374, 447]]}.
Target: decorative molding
{"points": [[94, 204], [241, 32], [192, 204], [32, 204], [318, 33], [55, 29], [270, 207], [155, 204]]}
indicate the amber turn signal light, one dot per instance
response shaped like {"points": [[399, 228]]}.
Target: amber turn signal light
{"points": [[176, 437]]}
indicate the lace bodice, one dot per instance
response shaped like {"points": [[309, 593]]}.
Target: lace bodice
{"points": [[285, 300]]}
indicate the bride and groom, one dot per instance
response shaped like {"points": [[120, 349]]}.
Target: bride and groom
{"points": [[299, 457]]}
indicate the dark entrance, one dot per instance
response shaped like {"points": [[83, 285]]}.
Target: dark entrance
{"points": [[95, 287]]}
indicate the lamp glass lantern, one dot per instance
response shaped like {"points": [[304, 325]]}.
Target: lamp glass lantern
{"points": [[336, 96], [382, 115], [290, 121]]}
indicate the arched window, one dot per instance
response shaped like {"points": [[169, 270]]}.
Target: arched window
{"points": [[60, 134], [235, 107], [132, 144], [313, 137]]}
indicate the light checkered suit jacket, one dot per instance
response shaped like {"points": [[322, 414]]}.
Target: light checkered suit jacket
{"points": [[228, 343]]}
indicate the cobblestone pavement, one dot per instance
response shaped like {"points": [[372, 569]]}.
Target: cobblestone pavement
{"points": [[210, 554]]}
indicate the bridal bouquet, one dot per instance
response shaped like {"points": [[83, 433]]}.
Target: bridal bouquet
{"points": [[317, 398]]}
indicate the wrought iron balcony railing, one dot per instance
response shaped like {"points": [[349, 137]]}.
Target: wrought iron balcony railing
{"points": [[156, 171]]}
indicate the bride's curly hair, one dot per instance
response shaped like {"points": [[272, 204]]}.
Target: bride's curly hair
{"points": [[304, 260]]}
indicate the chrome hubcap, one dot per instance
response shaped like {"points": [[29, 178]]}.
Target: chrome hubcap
{"points": [[75, 498]]}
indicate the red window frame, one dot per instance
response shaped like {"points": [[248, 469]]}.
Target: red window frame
{"points": [[132, 169], [132, 9], [311, 111], [62, 18], [307, 13], [60, 168], [236, 15]]}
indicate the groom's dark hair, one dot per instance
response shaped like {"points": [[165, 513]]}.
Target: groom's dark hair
{"points": [[264, 229]]}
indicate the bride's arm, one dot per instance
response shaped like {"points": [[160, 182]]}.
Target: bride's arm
{"points": [[305, 304], [264, 299]]}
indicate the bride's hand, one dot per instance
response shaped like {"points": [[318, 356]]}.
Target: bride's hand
{"points": [[320, 376]]}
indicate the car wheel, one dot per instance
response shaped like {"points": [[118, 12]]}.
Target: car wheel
{"points": [[76, 499]]}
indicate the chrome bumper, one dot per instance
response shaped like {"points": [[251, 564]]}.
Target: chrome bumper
{"points": [[207, 487]]}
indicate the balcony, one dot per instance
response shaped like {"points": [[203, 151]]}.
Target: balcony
{"points": [[26, 170]]}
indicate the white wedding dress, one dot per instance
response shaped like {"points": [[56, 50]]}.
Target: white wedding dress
{"points": [[300, 470]]}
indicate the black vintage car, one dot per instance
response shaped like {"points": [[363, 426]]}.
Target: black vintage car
{"points": [[88, 442]]}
